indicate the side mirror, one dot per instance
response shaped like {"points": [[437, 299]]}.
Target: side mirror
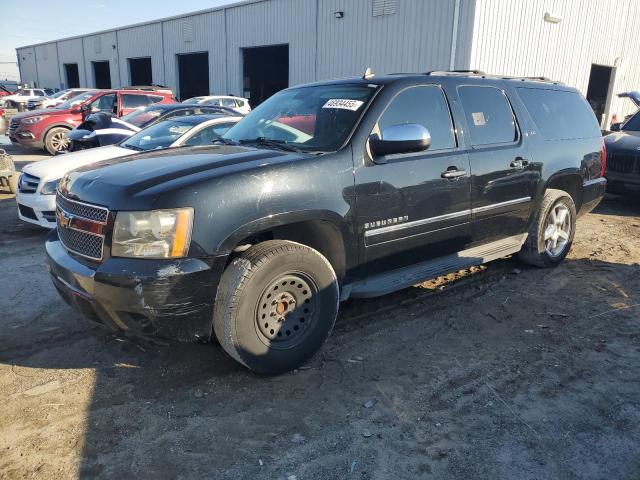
{"points": [[404, 138], [615, 127], [85, 107]]}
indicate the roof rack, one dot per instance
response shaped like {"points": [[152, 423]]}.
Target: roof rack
{"points": [[480, 73]]}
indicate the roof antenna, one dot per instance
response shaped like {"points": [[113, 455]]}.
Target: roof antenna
{"points": [[368, 73]]}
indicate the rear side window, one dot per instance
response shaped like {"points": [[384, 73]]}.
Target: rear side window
{"points": [[489, 116], [426, 106], [560, 115], [134, 101]]}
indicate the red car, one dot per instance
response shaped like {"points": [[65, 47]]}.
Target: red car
{"points": [[47, 129]]}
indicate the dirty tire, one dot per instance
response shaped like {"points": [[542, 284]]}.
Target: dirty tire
{"points": [[276, 305], [535, 251], [13, 182], [53, 142]]}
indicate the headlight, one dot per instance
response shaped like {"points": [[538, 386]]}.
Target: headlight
{"points": [[153, 234], [49, 188], [31, 120]]}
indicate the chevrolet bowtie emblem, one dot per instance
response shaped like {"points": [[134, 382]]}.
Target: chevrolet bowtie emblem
{"points": [[64, 219]]}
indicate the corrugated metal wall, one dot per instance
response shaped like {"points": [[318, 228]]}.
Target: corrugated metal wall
{"points": [[47, 59], [408, 35], [512, 38], [100, 48], [272, 23], [70, 51], [196, 33], [27, 65], [142, 41]]}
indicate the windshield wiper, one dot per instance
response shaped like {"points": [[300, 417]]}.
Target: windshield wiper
{"points": [[224, 141], [267, 142], [133, 147]]}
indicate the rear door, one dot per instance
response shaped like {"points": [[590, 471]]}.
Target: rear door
{"points": [[503, 176], [407, 210], [132, 101]]}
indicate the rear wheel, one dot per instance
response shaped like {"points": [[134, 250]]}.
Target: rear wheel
{"points": [[551, 234], [56, 140], [276, 305]]}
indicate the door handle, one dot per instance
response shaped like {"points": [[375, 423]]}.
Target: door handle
{"points": [[452, 173], [519, 163]]}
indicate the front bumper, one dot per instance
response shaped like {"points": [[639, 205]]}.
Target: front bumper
{"points": [[623, 183], [37, 209], [26, 138], [592, 194], [169, 298]]}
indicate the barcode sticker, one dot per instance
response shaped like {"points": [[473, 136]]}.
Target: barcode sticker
{"points": [[344, 104], [478, 119]]}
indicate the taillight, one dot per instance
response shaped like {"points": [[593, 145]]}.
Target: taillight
{"points": [[1, 112], [603, 159]]}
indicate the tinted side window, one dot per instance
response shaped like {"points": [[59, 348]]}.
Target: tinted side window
{"points": [[560, 115], [134, 101], [489, 116], [424, 105]]}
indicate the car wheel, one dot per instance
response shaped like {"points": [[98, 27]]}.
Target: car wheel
{"points": [[551, 234], [276, 304], [56, 140]]}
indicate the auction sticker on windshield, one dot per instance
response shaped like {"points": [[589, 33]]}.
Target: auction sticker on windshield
{"points": [[344, 104]]}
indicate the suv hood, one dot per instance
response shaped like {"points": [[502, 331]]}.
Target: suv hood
{"points": [[623, 141], [136, 181], [41, 111], [55, 167]]}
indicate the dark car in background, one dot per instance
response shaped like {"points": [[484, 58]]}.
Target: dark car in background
{"points": [[100, 129], [623, 157]]}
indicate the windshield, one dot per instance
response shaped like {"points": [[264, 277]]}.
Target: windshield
{"points": [[160, 135], [58, 94], [75, 101], [317, 118], [142, 117], [193, 100]]}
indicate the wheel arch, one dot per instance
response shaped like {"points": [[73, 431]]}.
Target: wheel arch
{"points": [[567, 181], [324, 231]]}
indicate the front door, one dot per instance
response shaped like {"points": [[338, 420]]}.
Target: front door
{"points": [[504, 177], [415, 206]]}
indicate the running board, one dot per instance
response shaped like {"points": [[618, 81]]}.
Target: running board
{"points": [[394, 280]]}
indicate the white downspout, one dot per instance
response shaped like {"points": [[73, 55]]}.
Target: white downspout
{"points": [[454, 35]]}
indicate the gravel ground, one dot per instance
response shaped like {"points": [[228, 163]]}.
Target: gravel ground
{"points": [[497, 373]]}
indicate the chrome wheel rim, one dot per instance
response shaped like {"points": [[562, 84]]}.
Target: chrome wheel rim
{"points": [[59, 141], [558, 230], [286, 310]]}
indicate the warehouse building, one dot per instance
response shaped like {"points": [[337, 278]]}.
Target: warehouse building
{"points": [[257, 47]]}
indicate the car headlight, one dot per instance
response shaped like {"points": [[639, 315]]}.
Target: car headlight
{"points": [[31, 120], [153, 234], [49, 188]]}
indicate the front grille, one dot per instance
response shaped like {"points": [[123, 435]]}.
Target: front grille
{"points": [[84, 243], [31, 105], [73, 230], [91, 212], [28, 183], [27, 212], [621, 163], [13, 126], [49, 215]]}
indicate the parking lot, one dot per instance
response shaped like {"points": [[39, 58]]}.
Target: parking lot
{"points": [[505, 371]]}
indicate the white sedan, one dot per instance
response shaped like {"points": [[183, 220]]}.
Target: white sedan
{"points": [[38, 183], [239, 104]]}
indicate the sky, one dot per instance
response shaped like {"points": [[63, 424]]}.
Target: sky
{"points": [[38, 21]]}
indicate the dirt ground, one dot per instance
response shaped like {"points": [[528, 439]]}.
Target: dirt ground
{"points": [[506, 372]]}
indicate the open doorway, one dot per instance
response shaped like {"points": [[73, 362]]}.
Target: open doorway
{"points": [[193, 74], [598, 94], [101, 74], [265, 72], [140, 71], [71, 75]]}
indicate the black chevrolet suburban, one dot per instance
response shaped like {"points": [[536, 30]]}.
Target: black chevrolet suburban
{"points": [[350, 188]]}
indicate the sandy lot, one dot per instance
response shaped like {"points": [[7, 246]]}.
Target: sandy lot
{"points": [[504, 372]]}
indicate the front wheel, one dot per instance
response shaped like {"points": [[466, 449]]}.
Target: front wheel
{"points": [[551, 234], [276, 304], [56, 140]]}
